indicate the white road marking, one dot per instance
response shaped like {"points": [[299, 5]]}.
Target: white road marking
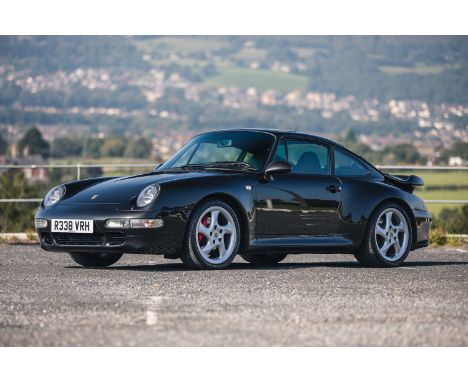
{"points": [[151, 318], [460, 250], [151, 313]]}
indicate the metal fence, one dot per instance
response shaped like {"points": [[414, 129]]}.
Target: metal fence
{"points": [[431, 168], [79, 166]]}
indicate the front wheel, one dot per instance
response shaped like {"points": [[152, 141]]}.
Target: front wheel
{"points": [[264, 258], [212, 237], [95, 259], [388, 238]]}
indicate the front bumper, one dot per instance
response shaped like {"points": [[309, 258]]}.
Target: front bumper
{"points": [[165, 240], [423, 228]]}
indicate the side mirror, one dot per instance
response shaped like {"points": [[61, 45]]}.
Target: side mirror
{"points": [[278, 167]]}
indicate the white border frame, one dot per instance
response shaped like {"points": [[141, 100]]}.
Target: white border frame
{"points": [[215, 17]]}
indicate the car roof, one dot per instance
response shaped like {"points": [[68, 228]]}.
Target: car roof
{"points": [[283, 133]]}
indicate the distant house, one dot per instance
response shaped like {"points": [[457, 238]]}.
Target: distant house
{"points": [[34, 172], [456, 161], [270, 97]]}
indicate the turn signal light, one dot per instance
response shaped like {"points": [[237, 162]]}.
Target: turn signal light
{"points": [[134, 223], [146, 223]]}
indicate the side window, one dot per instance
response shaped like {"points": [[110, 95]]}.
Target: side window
{"points": [[347, 165], [307, 158], [281, 152]]}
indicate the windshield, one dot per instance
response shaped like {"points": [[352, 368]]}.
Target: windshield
{"points": [[224, 149]]}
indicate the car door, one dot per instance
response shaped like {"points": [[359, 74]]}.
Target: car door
{"points": [[352, 173], [304, 202]]}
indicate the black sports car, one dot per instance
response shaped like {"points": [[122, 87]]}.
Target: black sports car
{"points": [[258, 193]]}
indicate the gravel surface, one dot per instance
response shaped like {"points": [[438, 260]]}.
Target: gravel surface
{"points": [[308, 300]]}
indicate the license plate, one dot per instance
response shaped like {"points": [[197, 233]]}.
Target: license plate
{"points": [[72, 225]]}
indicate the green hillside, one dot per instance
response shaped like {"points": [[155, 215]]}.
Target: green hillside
{"points": [[260, 79], [430, 68]]}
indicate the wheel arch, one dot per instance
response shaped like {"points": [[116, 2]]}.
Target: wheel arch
{"points": [[238, 209], [403, 204]]}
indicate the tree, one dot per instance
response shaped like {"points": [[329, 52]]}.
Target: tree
{"points": [[93, 148], [138, 148], [350, 136], [459, 149], [404, 153], [3, 145], [16, 217], [33, 143], [67, 147], [113, 147]]}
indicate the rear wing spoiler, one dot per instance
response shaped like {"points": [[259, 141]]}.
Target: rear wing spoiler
{"points": [[405, 182]]}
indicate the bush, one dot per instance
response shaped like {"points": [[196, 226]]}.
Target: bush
{"points": [[113, 147], [453, 220], [16, 217], [438, 237], [138, 148]]}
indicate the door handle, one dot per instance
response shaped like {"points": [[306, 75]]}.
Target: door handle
{"points": [[333, 189]]}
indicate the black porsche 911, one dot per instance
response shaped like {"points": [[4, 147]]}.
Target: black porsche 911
{"points": [[258, 193]]}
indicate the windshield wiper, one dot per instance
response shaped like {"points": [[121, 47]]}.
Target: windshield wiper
{"points": [[183, 168], [243, 165], [210, 165]]}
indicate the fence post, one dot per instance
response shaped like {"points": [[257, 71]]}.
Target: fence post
{"points": [[78, 171]]}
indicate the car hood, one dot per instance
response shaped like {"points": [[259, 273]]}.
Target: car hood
{"points": [[119, 190]]}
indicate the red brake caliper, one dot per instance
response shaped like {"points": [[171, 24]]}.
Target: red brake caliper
{"points": [[204, 221]]}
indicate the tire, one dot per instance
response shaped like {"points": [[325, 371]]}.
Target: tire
{"points": [[95, 259], [212, 236], [264, 258], [388, 238]]}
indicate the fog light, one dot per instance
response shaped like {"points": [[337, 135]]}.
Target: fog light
{"points": [[40, 223], [146, 223], [118, 223]]}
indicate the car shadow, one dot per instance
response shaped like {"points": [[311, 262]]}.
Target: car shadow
{"points": [[432, 263], [172, 267]]}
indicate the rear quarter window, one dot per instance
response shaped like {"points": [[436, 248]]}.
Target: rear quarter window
{"points": [[346, 165]]}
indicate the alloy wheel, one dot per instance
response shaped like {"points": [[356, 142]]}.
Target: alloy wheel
{"points": [[216, 235], [391, 234]]}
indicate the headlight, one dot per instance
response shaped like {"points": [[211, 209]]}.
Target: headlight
{"points": [[148, 195], [54, 195]]}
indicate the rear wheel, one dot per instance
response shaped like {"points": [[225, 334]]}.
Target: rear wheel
{"points": [[264, 258], [388, 238], [212, 237], [95, 259]]}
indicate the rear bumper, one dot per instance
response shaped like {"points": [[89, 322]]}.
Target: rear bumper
{"points": [[423, 228]]}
